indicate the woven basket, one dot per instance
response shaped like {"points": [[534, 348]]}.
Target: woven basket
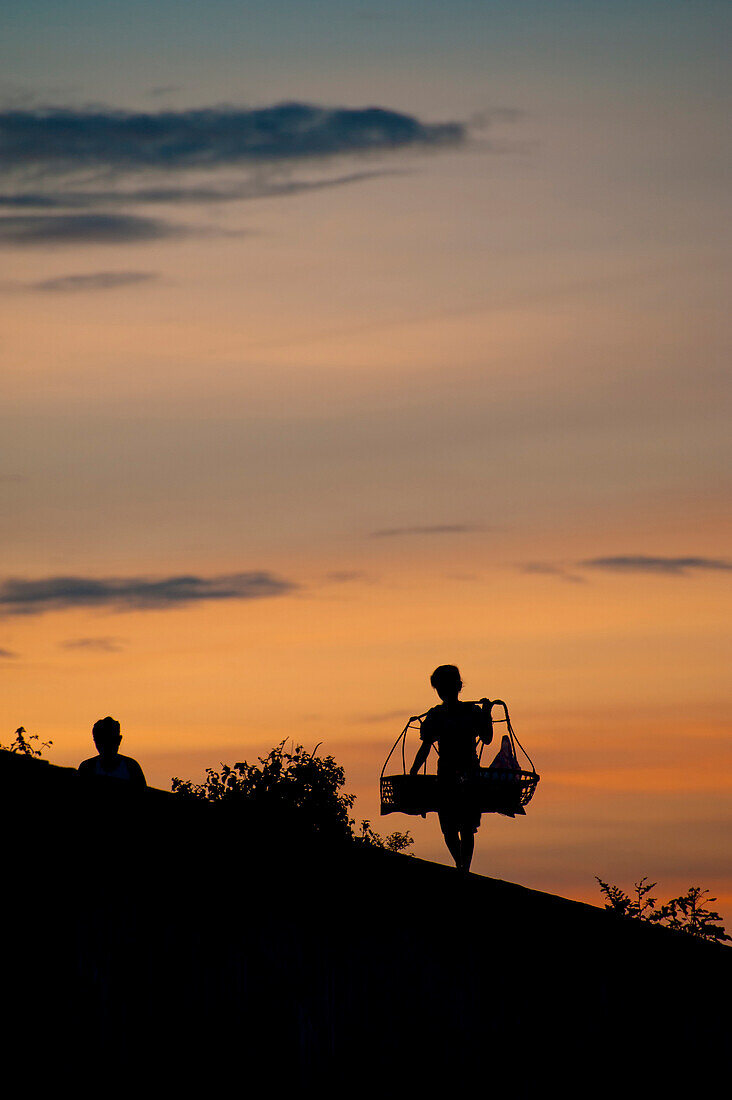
{"points": [[490, 790]]}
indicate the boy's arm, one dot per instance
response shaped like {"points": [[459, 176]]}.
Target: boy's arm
{"points": [[485, 730], [428, 739], [421, 758]]}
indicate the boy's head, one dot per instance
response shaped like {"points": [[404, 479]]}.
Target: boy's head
{"points": [[446, 681], [106, 736]]}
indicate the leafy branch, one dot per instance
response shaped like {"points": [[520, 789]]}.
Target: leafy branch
{"points": [[394, 842], [687, 913], [24, 744]]}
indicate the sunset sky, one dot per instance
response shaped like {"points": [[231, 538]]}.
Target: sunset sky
{"points": [[301, 398]]}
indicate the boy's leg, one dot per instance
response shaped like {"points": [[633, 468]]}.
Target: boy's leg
{"points": [[467, 844], [452, 836]]}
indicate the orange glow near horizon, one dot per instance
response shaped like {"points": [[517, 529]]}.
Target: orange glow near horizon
{"points": [[639, 784]]}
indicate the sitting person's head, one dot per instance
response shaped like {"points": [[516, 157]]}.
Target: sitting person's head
{"points": [[106, 736], [447, 682]]}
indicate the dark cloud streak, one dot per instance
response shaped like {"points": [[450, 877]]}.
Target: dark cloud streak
{"points": [[30, 597], [67, 139], [665, 566], [545, 569], [28, 230], [95, 280], [94, 645], [630, 563], [259, 187], [430, 529]]}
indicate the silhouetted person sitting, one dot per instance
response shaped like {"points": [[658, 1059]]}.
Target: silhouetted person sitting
{"points": [[455, 728], [110, 762]]}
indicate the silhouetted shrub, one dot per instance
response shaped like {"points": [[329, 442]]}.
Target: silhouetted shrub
{"points": [[23, 744], [294, 787], [687, 913], [394, 842]]}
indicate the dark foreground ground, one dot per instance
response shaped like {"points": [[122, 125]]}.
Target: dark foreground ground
{"points": [[149, 942]]}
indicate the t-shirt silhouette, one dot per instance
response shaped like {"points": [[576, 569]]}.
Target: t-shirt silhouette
{"points": [[454, 729], [124, 767]]}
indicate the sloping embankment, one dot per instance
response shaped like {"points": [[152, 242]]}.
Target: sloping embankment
{"points": [[150, 931]]}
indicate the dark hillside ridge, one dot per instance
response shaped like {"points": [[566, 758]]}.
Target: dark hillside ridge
{"points": [[146, 930]]}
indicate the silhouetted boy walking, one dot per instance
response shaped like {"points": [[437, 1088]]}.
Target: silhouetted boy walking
{"points": [[455, 728]]}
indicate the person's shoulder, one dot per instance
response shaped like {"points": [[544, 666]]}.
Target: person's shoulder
{"points": [[430, 724], [133, 766], [88, 765]]}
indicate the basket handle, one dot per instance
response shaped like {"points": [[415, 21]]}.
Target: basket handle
{"points": [[514, 739], [476, 702], [403, 738]]}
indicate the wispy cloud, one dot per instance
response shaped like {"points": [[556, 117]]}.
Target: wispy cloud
{"points": [[667, 566], [629, 563], [67, 172], [20, 230], [543, 568], [94, 645], [7, 654], [261, 185], [163, 89], [29, 597], [428, 529], [67, 139], [95, 280]]}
